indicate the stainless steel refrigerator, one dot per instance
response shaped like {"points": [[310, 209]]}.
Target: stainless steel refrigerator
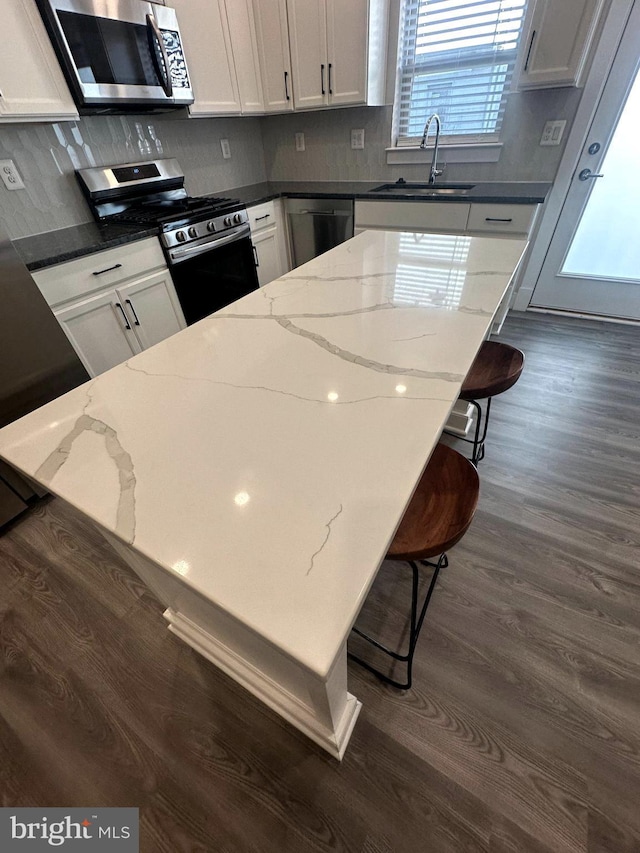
{"points": [[37, 364]]}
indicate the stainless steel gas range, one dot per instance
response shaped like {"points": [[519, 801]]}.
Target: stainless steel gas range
{"points": [[206, 240]]}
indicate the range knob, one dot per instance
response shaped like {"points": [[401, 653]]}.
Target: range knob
{"points": [[237, 219], [181, 236], [193, 231], [227, 220], [211, 225]]}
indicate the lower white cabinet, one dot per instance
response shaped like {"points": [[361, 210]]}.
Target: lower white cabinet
{"points": [[109, 328], [113, 304], [269, 242]]}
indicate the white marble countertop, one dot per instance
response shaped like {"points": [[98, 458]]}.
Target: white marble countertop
{"points": [[266, 454]]}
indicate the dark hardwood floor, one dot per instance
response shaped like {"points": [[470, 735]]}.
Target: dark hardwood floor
{"points": [[521, 733]]}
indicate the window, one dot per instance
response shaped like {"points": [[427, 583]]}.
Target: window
{"points": [[456, 59]]}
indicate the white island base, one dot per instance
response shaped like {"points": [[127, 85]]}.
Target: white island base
{"points": [[321, 708], [253, 468]]}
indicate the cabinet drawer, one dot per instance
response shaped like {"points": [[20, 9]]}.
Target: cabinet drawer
{"points": [[501, 218], [91, 273], [412, 216], [262, 216]]}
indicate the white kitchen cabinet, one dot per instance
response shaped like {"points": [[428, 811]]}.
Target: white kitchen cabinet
{"points": [[244, 45], [99, 333], [207, 43], [272, 32], [222, 50], [269, 241], [113, 304], [501, 219], [32, 86], [555, 45], [338, 52]]}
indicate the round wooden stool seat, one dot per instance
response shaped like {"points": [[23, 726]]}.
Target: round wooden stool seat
{"points": [[438, 515], [496, 368], [441, 508]]}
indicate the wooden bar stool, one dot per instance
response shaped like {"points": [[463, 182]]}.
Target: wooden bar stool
{"points": [[495, 369], [440, 512]]}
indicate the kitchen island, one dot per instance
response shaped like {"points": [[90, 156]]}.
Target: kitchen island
{"points": [[252, 469]]}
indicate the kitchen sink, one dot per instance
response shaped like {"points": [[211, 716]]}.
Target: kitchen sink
{"points": [[424, 189]]}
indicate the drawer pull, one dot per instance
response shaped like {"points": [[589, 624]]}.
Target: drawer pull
{"points": [[495, 219], [266, 216], [108, 269], [133, 311], [124, 316]]}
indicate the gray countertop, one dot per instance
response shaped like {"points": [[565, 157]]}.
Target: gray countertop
{"points": [[55, 247]]}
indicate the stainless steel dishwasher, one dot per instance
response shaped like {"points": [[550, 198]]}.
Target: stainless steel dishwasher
{"points": [[317, 225]]}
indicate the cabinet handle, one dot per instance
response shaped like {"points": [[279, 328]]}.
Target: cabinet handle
{"points": [[133, 311], [495, 219], [322, 79], [330, 89], [124, 316], [286, 85], [255, 257], [526, 64], [108, 269], [266, 216]]}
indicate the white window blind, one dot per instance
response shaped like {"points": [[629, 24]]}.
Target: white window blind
{"points": [[457, 59]]}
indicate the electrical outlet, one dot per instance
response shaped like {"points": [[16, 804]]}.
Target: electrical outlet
{"points": [[226, 149], [552, 133], [10, 175], [300, 142], [357, 139]]}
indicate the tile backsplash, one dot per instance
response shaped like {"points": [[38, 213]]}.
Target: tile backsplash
{"points": [[46, 156], [329, 156]]}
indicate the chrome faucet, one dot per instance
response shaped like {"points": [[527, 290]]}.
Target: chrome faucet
{"points": [[433, 171]]}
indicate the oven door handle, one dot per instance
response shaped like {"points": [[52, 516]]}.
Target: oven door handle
{"points": [[178, 255]]}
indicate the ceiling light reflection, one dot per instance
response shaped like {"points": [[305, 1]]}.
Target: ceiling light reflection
{"points": [[242, 498], [332, 396], [401, 389]]}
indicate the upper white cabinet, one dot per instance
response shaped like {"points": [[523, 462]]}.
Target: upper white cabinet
{"points": [[222, 51], [556, 39], [32, 87], [244, 45], [272, 32], [338, 52], [207, 42]]}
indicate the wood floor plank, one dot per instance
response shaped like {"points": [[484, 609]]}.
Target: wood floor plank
{"points": [[521, 734]]}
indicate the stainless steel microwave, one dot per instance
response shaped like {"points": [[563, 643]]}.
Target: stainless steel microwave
{"points": [[119, 55]]}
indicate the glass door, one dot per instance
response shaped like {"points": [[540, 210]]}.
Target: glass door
{"points": [[593, 263]]}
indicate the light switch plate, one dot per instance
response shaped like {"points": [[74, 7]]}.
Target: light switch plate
{"points": [[226, 149], [10, 175], [552, 133], [300, 142], [357, 139]]}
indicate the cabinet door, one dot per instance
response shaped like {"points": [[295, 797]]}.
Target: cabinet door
{"points": [[270, 264], [242, 29], [152, 308], [32, 86], [557, 41], [99, 331], [308, 39], [347, 39], [273, 46], [207, 43]]}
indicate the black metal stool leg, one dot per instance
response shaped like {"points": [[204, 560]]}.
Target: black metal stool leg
{"points": [[415, 623]]}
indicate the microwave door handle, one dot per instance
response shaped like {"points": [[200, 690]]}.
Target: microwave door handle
{"points": [[156, 43]]}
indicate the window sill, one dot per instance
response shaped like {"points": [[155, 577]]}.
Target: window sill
{"points": [[482, 152]]}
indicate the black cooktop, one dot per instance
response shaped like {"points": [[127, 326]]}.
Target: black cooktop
{"points": [[172, 211]]}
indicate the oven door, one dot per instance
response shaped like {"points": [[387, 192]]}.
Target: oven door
{"points": [[206, 281], [119, 54]]}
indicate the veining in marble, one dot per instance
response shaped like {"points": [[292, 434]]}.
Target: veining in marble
{"points": [[272, 447]]}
